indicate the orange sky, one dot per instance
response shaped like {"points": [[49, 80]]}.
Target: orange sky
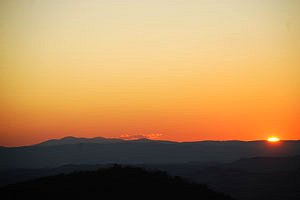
{"points": [[175, 70]]}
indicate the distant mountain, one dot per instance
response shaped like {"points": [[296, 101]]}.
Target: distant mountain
{"points": [[254, 178], [111, 183], [265, 164], [96, 140], [75, 140], [104, 151]]}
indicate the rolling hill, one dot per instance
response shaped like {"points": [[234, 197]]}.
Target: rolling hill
{"points": [[110, 183]]}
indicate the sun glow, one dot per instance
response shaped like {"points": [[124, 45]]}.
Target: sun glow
{"points": [[273, 139]]}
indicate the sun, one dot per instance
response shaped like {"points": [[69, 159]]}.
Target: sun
{"points": [[273, 139]]}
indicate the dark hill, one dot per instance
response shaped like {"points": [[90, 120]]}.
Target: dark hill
{"points": [[122, 182], [259, 178], [75, 140]]}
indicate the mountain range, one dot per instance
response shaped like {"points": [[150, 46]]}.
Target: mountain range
{"points": [[245, 170], [71, 150]]}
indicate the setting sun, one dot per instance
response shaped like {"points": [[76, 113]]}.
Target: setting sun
{"points": [[273, 139]]}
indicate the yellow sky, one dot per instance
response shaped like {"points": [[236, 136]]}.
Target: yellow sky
{"points": [[184, 70]]}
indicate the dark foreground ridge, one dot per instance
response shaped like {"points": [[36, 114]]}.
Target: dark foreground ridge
{"points": [[117, 181]]}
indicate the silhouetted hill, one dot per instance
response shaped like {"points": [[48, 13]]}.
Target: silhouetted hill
{"points": [[250, 185], [75, 140], [139, 151], [116, 182], [254, 178]]}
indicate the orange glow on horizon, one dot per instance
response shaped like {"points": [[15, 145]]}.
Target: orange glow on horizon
{"points": [[273, 139], [166, 70]]}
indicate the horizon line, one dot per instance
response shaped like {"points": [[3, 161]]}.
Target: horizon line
{"points": [[137, 139]]}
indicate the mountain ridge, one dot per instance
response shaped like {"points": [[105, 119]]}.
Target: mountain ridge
{"points": [[103, 140], [139, 151], [76, 140], [230, 178], [117, 181]]}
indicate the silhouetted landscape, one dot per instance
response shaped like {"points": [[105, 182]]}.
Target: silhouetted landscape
{"points": [[118, 181], [71, 150], [150, 99], [242, 170]]}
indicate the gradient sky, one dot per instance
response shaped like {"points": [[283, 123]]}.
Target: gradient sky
{"points": [[166, 69]]}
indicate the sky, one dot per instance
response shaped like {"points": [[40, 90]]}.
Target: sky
{"points": [[180, 70]]}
